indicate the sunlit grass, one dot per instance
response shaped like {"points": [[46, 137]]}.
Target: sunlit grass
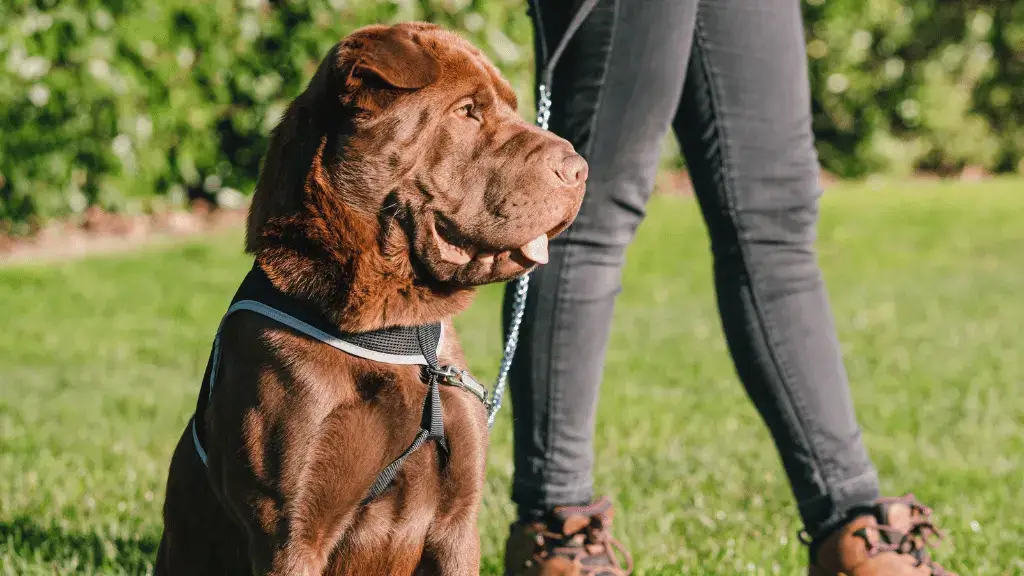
{"points": [[100, 361]]}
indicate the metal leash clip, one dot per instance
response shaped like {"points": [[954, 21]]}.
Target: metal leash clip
{"points": [[456, 378]]}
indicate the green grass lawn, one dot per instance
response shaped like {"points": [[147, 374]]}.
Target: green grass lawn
{"points": [[100, 362]]}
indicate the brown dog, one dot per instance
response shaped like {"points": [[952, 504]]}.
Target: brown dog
{"points": [[399, 180]]}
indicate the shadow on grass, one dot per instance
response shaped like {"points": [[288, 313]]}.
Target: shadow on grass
{"points": [[24, 538]]}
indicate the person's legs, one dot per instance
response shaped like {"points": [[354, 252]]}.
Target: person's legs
{"points": [[615, 93], [744, 124]]}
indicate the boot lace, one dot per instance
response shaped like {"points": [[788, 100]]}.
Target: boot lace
{"points": [[914, 541], [594, 548]]}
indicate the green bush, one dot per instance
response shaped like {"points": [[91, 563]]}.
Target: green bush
{"points": [[135, 105], [922, 84]]}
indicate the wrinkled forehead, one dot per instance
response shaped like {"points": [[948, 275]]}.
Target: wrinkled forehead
{"points": [[465, 67]]}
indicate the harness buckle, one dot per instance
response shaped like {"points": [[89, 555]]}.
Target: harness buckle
{"points": [[451, 376], [446, 371]]}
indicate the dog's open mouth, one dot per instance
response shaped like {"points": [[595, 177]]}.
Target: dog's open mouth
{"points": [[457, 249]]}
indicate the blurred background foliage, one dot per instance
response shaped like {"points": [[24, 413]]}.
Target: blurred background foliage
{"points": [[137, 105]]}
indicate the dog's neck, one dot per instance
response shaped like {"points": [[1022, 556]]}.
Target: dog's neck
{"points": [[340, 263]]}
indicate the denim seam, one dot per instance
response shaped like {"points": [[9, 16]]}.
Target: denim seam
{"points": [[567, 255], [728, 188]]}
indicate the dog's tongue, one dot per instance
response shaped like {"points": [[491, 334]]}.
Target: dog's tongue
{"points": [[536, 249]]}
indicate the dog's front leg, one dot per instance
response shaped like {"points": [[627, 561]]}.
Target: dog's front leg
{"points": [[454, 549], [302, 549], [289, 552], [297, 562], [320, 506], [297, 559], [453, 541]]}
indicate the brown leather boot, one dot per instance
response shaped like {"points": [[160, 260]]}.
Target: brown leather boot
{"points": [[889, 539], [575, 541]]}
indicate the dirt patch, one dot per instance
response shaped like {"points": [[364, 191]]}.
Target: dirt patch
{"points": [[99, 232], [678, 183]]}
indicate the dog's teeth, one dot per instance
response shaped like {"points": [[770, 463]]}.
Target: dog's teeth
{"points": [[454, 254], [537, 249], [450, 252]]}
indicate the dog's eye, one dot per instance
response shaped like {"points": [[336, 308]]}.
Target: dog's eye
{"points": [[468, 110]]}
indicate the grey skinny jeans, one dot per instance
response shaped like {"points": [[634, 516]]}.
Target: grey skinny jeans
{"points": [[730, 77]]}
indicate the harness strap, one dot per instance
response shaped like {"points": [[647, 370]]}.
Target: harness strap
{"points": [[388, 474], [431, 428], [433, 416], [431, 422], [416, 346], [424, 334]]}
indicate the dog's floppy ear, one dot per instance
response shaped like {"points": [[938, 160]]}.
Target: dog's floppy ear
{"points": [[393, 57]]}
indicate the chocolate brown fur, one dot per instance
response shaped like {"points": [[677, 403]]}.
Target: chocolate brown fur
{"points": [[396, 182]]}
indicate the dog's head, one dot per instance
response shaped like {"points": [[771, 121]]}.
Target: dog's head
{"points": [[405, 159]]}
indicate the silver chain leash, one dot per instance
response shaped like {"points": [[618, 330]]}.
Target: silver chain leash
{"points": [[522, 287], [544, 107]]}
